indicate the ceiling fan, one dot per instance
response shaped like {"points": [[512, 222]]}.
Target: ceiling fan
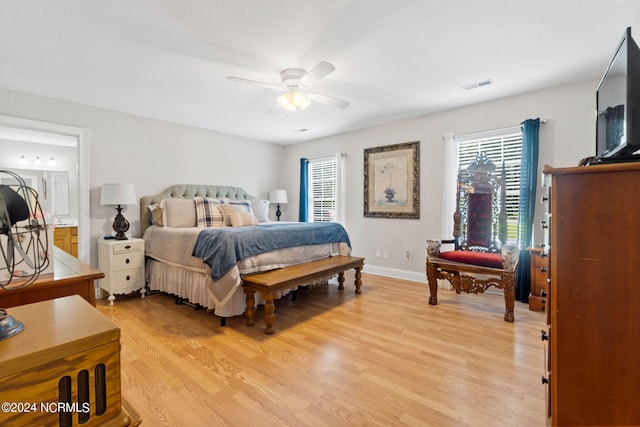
{"points": [[295, 85]]}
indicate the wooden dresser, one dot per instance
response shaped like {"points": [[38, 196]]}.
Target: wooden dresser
{"points": [[593, 308], [539, 276], [70, 277]]}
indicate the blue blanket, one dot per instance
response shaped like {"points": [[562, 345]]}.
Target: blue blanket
{"points": [[222, 248]]}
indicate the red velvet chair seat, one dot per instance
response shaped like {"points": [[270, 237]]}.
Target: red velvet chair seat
{"points": [[484, 259]]}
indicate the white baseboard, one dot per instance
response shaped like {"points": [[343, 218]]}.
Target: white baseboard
{"points": [[413, 276]]}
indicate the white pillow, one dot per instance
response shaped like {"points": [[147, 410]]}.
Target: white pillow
{"points": [[152, 209], [245, 204], [260, 209], [227, 210], [178, 212]]}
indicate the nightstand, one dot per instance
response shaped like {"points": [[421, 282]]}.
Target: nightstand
{"points": [[122, 262]]}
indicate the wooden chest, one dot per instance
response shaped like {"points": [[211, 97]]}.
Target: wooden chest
{"points": [[63, 369]]}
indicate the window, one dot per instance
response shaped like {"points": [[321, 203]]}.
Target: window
{"points": [[323, 189], [503, 146]]}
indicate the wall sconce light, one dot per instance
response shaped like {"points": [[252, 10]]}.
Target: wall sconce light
{"points": [[23, 160]]}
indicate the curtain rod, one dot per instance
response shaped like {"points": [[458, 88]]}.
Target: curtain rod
{"points": [[486, 133]]}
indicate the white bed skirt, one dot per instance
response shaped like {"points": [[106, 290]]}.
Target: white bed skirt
{"points": [[225, 297]]}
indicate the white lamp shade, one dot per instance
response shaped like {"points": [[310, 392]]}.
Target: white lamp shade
{"points": [[278, 196], [118, 194]]}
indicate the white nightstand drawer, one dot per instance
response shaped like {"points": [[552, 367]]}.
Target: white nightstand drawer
{"points": [[126, 280], [122, 262], [125, 246], [127, 260]]}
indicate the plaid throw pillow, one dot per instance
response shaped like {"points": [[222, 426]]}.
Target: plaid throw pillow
{"points": [[208, 212]]}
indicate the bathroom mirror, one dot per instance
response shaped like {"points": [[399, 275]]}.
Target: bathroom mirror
{"points": [[53, 188]]}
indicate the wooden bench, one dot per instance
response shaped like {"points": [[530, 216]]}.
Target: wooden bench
{"points": [[271, 282]]}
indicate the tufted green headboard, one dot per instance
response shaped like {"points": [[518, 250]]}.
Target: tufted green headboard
{"points": [[188, 191]]}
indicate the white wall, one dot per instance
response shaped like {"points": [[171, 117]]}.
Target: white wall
{"points": [[568, 136], [151, 154]]}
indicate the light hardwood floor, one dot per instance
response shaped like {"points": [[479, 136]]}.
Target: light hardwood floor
{"points": [[382, 358]]}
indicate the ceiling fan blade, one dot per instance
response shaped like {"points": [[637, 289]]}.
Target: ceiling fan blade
{"points": [[320, 71], [253, 82], [328, 100]]}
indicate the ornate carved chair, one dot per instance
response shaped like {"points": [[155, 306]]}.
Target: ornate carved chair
{"points": [[480, 257]]}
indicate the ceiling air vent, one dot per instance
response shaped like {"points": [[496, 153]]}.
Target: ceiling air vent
{"points": [[478, 84]]}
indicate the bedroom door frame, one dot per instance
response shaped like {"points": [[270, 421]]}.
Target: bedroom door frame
{"points": [[82, 147]]}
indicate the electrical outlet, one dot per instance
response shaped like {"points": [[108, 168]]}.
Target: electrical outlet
{"points": [[377, 253], [407, 255], [385, 254]]}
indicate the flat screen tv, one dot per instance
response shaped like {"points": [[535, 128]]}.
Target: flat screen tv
{"points": [[618, 105]]}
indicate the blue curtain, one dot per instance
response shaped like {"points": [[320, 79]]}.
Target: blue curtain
{"points": [[303, 215], [528, 185]]}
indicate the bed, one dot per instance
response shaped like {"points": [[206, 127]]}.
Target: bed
{"points": [[172, 222]]}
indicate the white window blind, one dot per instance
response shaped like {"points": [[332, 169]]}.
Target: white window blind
{"points": [[502, 146], [323, 189]]}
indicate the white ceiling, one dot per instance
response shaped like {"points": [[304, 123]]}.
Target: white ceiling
{"points": [[394, 59]]}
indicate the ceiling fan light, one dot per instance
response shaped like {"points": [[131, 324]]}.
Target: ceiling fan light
{"points": [[283, 100], [298, 98], [294, 83]]}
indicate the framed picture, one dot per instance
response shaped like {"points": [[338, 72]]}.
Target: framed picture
{"points": [[392, 181]]}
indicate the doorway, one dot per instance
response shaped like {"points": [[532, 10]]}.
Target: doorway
{"points": [[18, 129]]}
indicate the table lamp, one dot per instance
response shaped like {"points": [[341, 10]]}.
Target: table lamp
{"points": [[277, 197], [118, 194]]}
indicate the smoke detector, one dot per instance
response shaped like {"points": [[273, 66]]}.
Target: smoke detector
{"points": [[478, 84]]}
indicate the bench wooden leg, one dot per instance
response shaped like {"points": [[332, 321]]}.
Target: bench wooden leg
{"points": [[269, 313], [341, 280], [250, 311], [358, 281]]}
